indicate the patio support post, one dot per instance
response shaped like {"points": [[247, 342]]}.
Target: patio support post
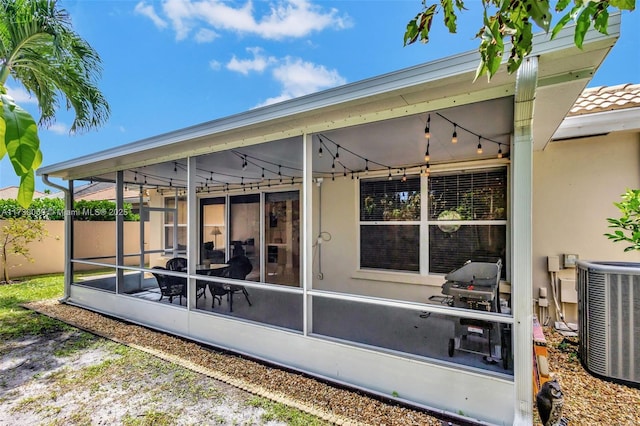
{"points": [[521, 284], [68, 233], [192, 235], [307, 232], [119, 230], [141, 235]]}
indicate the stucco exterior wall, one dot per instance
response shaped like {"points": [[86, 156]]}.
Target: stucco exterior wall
{"points": [[48, 254], [575, 185], [338, 261]]}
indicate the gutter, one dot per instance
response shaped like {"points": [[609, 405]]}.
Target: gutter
{"points": [[68, 235]]}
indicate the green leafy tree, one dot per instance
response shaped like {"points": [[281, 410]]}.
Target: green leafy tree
{"points": [[513, 21], [627, 227], [39, 49], [16, 236]]}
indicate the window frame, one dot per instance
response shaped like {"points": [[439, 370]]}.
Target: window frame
{"points": [[426, 222]]}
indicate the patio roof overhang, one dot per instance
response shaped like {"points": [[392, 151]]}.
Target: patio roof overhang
{"points": [[401, 99]]}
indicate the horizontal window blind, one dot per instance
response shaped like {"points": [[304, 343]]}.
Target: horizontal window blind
{"points": [[390, 200], [395, 247], [477, 195]]}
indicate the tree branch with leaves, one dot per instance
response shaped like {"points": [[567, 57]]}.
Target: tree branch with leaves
{"points": [[627, 227], [39, 49], [512, 21], [15, 237]]}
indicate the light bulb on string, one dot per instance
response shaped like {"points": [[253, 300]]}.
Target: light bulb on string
{"points": [[262, 177], [366, 167], [320, 149], [389, 177], [454, 136], [337, 152], [479, 150], [499, 151], [404, 175], [427, 130], [427, 157], [175, 167]]}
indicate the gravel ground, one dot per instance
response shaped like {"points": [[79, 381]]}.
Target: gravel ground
{"points": [[333, 405], [588, 400]]}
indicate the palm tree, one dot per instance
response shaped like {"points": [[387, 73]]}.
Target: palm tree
{"points": [[39, 48]]}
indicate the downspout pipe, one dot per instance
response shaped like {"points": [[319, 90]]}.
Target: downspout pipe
{"points": [[68, 234], [522, 208]]}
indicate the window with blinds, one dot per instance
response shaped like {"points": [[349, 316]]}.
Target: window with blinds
{"points": [[466, 218], [390, 224]]}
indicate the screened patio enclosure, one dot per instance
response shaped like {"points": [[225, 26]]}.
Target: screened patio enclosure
{"points": [[352, 206]]}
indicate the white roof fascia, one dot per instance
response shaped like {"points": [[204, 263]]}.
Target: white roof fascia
{"points": [[439, 72], [598, 123], [419, 74]]}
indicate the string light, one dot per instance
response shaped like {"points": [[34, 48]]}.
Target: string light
{"points": [[175, 167], [427, 157], [366, 167], [427, 131], [337, 152], [479, 146], [389, 174], [499, 151], [454, 136], [404, 175]]}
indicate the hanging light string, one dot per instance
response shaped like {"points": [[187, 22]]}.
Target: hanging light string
{"points": [[274, 170], [457, 126]]}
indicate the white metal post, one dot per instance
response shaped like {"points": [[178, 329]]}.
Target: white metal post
{"points": [[521, 287], [192, 230], [307, 232]]}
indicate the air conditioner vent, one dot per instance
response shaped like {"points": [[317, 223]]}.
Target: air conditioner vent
{"points": [[609, 319]]}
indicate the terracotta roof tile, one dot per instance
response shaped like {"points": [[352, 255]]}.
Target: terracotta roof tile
{"points": [[606, 98]]}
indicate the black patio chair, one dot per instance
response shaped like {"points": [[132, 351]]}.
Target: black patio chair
{"points": [[177, 264], [239, 267], [170, 286]]}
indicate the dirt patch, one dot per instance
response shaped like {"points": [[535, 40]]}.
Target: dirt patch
{"points": [[74, 377], [131, 391]]}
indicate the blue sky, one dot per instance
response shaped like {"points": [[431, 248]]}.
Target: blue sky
{"points": [[175, 63]]}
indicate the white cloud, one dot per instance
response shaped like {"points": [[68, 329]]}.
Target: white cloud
{"points": [[299, 78], [259, 62], [58, 128], [215, 65], [21, 96], [148, 11], [205, 35], [286, 18]]}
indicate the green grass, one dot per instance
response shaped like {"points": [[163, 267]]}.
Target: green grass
{"points": [[280, 412], [16, 321]]}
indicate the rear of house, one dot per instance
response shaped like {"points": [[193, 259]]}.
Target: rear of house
{"points": [[357, 209]]}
